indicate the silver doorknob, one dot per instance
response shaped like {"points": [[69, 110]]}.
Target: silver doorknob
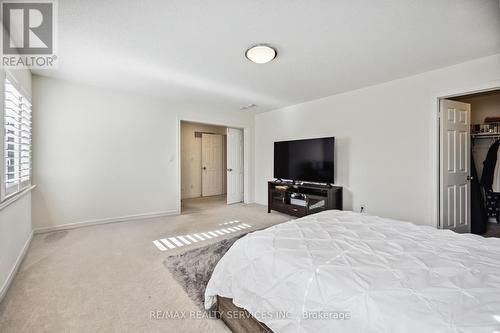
{"points": [[470, 178], [229, 170]]}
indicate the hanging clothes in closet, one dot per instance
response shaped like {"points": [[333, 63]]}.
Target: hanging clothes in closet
{"points": [[490, 180]]}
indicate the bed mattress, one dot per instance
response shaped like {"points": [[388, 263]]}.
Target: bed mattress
{"points": [[339, 271]]}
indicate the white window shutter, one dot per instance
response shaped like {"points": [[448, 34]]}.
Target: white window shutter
{"points": [[17, 141]]}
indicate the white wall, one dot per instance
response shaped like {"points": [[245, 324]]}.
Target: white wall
{"points": [[386, 138], [103, 154], [191, 157], [15, 235], [15, 218]]}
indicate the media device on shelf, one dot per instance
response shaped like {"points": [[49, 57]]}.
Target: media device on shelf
{"points": [[310, 160], [304, 199]]}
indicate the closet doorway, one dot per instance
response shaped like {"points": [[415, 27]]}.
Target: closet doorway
{"points": [[212, 170], [469, 182]]}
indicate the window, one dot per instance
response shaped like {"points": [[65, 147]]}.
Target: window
{"points": [[17, 141]]}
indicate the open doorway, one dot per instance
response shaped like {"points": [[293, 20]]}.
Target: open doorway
{"points": [[469, 173], [212, 171]]}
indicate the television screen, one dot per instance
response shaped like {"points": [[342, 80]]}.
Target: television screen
{"points": [[305, 160]]}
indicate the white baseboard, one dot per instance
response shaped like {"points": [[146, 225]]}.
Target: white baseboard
{"points": [[105, 221], [14, 269]]}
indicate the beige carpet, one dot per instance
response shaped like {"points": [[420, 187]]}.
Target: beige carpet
{"points": [[109, 278]]}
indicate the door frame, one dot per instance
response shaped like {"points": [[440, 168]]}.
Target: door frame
{"points": [[435, 142], [246, 154]]}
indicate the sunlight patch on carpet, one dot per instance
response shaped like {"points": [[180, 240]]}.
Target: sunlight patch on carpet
{"points": [[170, 243]]}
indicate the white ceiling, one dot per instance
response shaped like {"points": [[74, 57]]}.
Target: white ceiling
{"points": [[192, 52]]}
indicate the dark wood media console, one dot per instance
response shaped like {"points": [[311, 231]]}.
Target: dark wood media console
{"points": [[302, 199]]}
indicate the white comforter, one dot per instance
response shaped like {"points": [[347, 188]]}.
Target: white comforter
{"points": [[380, 275]]}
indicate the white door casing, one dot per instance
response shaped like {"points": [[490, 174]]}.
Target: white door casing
{"points": [[235, 169], [211, 164], [455, 166]]}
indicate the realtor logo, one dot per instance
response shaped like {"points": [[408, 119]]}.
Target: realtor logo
{"points": [[28, 34]]}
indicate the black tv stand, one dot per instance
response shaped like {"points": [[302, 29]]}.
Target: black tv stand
{"points": [[303, 199]]}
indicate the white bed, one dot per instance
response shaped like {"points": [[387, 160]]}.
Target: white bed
{"points": [[387, 275]]}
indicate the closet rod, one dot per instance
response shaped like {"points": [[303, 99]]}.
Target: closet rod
{"points": [[486, 135]]}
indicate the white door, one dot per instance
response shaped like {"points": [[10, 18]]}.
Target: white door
{"points": [[234, 165], [455, 166], [211, 164]]}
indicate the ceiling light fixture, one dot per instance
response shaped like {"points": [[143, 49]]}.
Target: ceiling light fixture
{"points": [[260, 54], [249, 106]]}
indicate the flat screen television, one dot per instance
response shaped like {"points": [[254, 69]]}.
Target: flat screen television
{"points": [[308, 160]]}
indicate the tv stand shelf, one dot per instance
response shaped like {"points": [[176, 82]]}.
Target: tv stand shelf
{"points": [[302, 199]]}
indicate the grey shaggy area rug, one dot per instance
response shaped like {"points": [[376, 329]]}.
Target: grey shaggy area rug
{"points": [[193, 268]]}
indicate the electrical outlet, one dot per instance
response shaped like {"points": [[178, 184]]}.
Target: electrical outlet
{"points": [[362, 208]]}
